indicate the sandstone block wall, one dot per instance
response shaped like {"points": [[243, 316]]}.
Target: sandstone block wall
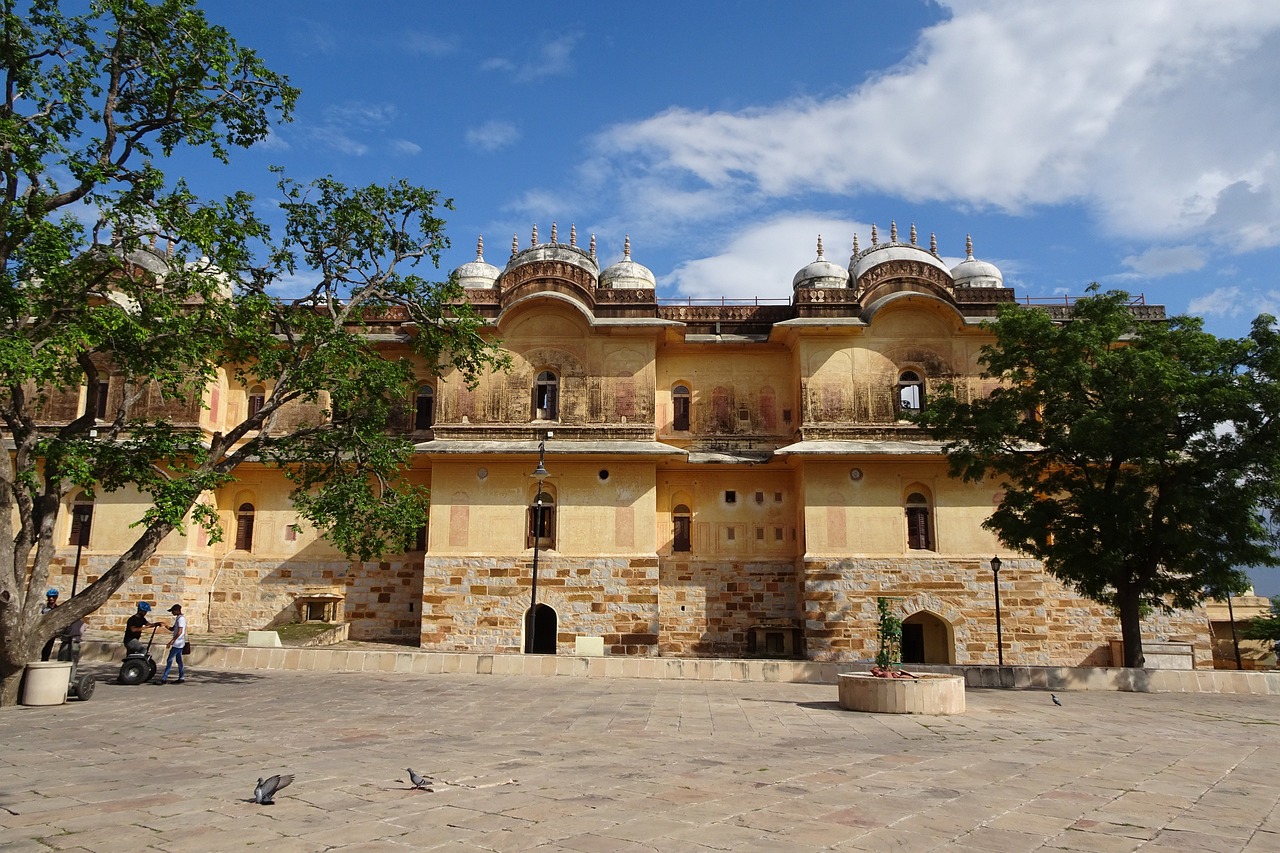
{"points": [[478, 604], [1043, 623]]}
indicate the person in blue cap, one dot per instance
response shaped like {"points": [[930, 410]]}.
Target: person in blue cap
{"points": [[133, 627]]}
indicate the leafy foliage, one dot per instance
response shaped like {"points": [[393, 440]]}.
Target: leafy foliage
{"points": [[1264, 627], [115, 280], [1136, 456], [890, 634]]}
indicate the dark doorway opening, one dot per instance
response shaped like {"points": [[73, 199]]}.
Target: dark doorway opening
{"points": [[912, 643], [541, 627]]}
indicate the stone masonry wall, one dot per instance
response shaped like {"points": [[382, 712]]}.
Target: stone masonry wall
{"points": [[240, 592], [478, 604], [1043, 623], [708, 607]]}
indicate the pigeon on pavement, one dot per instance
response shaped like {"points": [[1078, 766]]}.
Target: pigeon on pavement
{"points": [[418, 781], [265, 793], [1054, 697]]}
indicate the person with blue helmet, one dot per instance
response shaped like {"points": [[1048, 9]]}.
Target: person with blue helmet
{"points": [[50, 602], [133, 627]]}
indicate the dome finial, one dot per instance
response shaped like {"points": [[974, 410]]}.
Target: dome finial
{"points": [[875, 236], [819, 247], [593, 247], [480, 248], [893, 231], [515, 245], [626, 248], [535, 235], [573, 235], [933, 243], [968, 247], [913, 233], [855, 243], [553, 231]]}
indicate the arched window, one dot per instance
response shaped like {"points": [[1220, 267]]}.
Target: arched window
{"points": [[682, 521], [542, 522], [918, 533], [910, 391], [546, 393], [424, 412], [81, 521], [680, 398], [257, 398], [244, 527]]}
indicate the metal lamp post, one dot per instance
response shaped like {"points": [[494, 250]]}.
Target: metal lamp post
{"points": [[531, 622], [995, 580]]}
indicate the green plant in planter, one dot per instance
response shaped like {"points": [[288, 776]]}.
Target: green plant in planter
{"points": [[890, 652]]}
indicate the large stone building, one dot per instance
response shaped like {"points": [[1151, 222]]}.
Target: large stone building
{"points": [[721, 479]]}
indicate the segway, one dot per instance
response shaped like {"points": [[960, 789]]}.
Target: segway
{"points": [[138, 666], [81, 686]]}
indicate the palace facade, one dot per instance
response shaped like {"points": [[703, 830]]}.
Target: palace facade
{"points": [[716, 480]]}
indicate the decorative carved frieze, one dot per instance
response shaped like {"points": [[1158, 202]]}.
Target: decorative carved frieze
{"points": [[550, 270], [904, 269], [725, 313]]}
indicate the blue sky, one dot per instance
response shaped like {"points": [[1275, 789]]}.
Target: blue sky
{"points": [[1135, 144]]}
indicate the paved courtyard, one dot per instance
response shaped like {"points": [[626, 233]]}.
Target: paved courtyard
{"points": [[599, 764]]}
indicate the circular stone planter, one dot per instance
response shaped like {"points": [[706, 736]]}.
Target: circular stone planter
{"points": [[924, 694], [46, 683]]}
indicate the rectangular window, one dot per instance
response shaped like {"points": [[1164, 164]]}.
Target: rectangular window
{"points": [[81, 522], [103, 387], [759, 497], [759, 534], [424, 413], [777, 497], [730, 534], [918, 529], [777, 534], [682, 534], [730, 497], [680, 421]]}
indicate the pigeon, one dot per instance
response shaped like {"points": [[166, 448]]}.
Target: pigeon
{"points": [[1054, 697], [264, 794], [418, 781]]}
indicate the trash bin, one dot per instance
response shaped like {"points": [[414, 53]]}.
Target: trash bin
{"points": [[46, 682]]}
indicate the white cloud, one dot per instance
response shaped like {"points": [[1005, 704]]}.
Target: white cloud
{"points": [[1157, 262], [430, 45], [1222, 302], [404, 146], [761, 260], [553, 58], [493, 135], [1124, 107], [1232, 302]]}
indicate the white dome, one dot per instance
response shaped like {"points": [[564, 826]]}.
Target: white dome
{"points": [[626, 274], [821, 273], [972, 272], [880, 253], [477, 274]]}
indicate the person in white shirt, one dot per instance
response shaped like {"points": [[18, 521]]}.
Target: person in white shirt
{"points": [[176, 645]]}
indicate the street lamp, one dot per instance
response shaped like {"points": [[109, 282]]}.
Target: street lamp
{"points": [[531, 621], [995, 580], [82, 518]]}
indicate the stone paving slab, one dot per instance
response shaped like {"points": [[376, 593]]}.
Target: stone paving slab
{"points": [[624, 764]]}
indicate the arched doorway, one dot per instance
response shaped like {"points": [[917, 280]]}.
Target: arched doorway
{"points": [[542, 629], [927, 638]]}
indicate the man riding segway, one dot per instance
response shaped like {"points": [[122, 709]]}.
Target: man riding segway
{"points": [[138, 665]]}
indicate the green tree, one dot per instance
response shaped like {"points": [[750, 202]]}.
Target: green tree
{"points": [[1264, 627], [93, 105], [1136, 456]]}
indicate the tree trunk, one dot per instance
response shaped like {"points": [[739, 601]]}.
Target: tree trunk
{"points": [[12, 664], [1131, 631]]}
